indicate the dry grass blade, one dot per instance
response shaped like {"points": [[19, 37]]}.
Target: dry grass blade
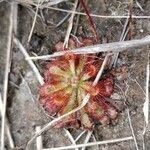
{"points": [[44, 3], [134, 80], [30, 62], [132, 130], [94, 139], [15, 17], [39, 142], [80, 135], [71, 138], [88, 136], [98, 16], [84, 102], [53, 2], [62, 21], [109, 47], [139, 5], [34, 21], [7, 70], [146, 104], [8, 133], [70, 25], [126, 30], [122, 38], [92, 144]]}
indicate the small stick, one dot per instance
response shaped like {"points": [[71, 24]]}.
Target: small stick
{"points": [[92, 144], [132, 130], [39, 143], [8, 133], [126, 30], [99, 74], [53, 2], [76, 25], [134, 80], [146, 103], [122, 38], [34, 20], [7, 70], [139, 5], [94, 139], [130, 19], [71, 138], [98, 16], [79, 136], [30, 62], [90, 20], [88, 136], [31, 10], [109, 47], [15, 15], [61, 22], [70, 25]]}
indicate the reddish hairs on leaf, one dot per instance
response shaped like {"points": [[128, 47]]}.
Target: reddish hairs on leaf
{"points": [[67, 80]]}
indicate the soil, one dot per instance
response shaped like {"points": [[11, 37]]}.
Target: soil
{"points": [[23, 110]]}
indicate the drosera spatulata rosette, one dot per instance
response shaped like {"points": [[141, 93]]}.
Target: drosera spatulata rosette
{"points": [[67, 81]]}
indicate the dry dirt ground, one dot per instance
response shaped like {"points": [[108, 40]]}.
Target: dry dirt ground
{"points": [[23, 111]]}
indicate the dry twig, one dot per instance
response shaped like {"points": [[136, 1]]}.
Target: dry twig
{"points": [[70, 25], [8, 133], [134, 80], [98, 16], [109, 47], [132, 130], [34, 21], [7, 70], [71, 138], [30, 62], [80, 135], [122, 38], [146, 103], [88, 136], [39, 142], [52, 2], [60, 22], [92, 144], [94, 139], [139, 5]]}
